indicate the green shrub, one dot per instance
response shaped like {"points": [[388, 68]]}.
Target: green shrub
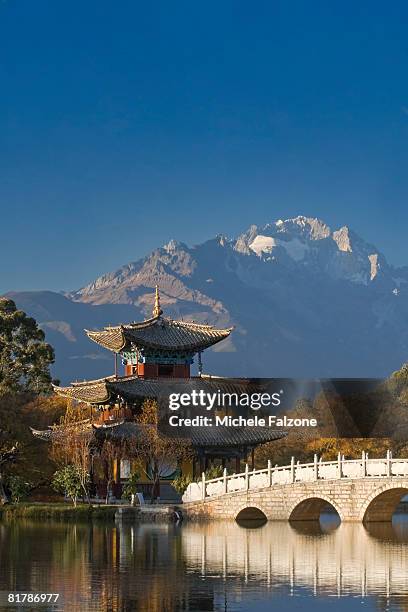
{"points": [[181, 483], [67, 481], [215, 471], [130, 487], [18, 487]]}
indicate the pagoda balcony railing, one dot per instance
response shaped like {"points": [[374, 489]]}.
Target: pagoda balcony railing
{"points": [[297, 472]]}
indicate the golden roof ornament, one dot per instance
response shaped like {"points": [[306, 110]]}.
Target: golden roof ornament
{"points": [[157, 311]]}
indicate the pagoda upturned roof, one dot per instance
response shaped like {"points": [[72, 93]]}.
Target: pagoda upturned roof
{"points": [[210, 437], [88, 391], [159, 333], [204, 437], [133, 388]]}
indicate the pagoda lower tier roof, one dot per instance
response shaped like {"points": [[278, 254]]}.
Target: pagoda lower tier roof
{"points": [[159, 333], [199, 437], [133, 388]]}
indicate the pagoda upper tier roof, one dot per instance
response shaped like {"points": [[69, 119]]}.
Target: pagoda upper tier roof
{"points": [[159, 333], [133, 388]]}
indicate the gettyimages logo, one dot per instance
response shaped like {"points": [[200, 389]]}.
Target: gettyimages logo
{"points": [[219, 399]]}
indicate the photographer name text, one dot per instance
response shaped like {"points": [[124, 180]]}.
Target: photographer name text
{"points": [[240, 421]]}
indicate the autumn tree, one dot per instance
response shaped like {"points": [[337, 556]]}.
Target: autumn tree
{"points": [[351, 448], [154, 448], [25, 357], [72, 444], [29, 457], [109, 453]]}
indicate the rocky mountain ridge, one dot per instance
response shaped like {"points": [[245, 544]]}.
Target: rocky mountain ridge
{"points": [[305, 301]]}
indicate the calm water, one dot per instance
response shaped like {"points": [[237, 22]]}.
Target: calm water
{"points": [[218, 566]]}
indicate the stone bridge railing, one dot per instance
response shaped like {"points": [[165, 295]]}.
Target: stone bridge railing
{"points": [[273, 476]]}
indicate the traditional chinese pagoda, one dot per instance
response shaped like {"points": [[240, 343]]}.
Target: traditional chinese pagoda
{"points": [[158, 347], [157, 355]]}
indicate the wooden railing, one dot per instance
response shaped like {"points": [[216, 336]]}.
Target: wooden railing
{"points": [[297, 472]]}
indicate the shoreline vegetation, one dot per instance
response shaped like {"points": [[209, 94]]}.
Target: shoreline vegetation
{"points": [[57, 511]]}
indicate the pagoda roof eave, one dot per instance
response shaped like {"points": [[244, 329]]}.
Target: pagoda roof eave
{"points": [[112, 338], [199, 437], [89, 392], [133, 388], [159, 333]]}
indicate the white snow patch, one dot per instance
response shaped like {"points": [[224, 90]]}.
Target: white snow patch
{"points": [[295, 248], [262, 244]]}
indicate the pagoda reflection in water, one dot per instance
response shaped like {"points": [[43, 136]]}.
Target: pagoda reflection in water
{"points": [[206, 567]]}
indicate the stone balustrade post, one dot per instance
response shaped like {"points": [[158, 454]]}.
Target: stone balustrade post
{"points": [[316, 468], [389, 461], [246, 477], [269, 473], [363, 465], [292, 469], [203, 485], [339, 466], [225, 481]]}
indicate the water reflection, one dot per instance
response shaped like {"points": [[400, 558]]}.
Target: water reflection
{"points": [[216, 566]]}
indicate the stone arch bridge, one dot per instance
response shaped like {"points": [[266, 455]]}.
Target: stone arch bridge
{"points": [[360, 490]]}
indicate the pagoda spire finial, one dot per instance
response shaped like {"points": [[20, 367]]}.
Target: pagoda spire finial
{"points": [[157, 311]]}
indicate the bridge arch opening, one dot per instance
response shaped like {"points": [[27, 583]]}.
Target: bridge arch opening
{"points": [[314, 509], [251, 517], [382, 507]]}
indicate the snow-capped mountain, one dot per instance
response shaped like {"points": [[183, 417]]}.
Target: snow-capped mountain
{"points": [[306, 300], [307, 242], [302, 246]]}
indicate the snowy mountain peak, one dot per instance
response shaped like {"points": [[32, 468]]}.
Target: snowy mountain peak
{"points": [[301, 227], [313, 228], [310, 243]]}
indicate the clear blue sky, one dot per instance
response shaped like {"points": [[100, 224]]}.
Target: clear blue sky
{"points": [[124, 124]]}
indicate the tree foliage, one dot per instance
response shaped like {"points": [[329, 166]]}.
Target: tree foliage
{"points": [[68, 481], [180, 483], [398, 383], [130, 487], [25, 357], [19, 488], [29, 457], [8, 455]]}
